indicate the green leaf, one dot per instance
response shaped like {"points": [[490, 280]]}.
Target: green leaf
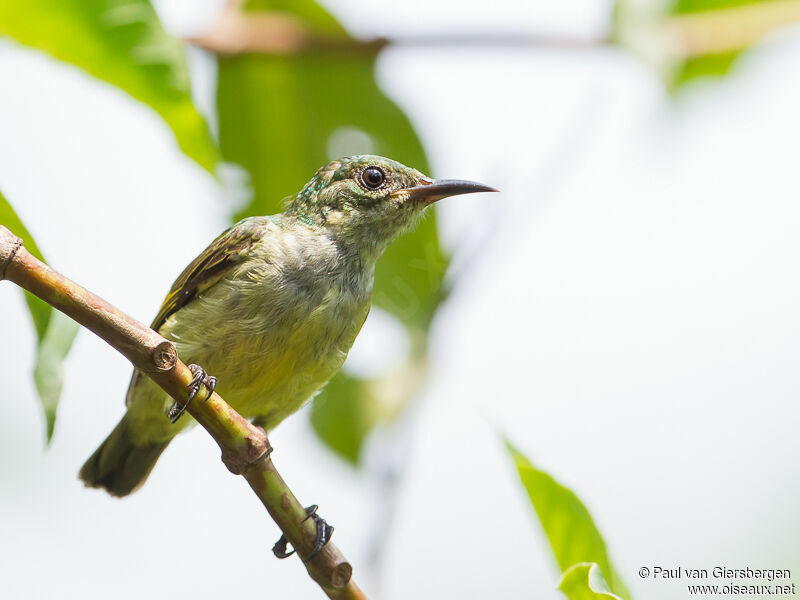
{"points": [[569, 527], [48, 373], [277, 117], [283, 117], [691, 6], [343, 414], [55, 331], [711, 65], [584, 581], [686, 40], [39, 309], [347, 409], [121, 42], [708, 65]]}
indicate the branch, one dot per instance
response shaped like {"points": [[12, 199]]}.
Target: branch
{"points": [[245, 447], [277, 33], [686, 35]]}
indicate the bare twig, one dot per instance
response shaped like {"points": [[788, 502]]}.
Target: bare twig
{"points": [[270, 32], [262, 35], [695, 34], [245, 447], [277, 33]]}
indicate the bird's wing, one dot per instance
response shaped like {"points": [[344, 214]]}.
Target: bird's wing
{"points": [[230, 248]]}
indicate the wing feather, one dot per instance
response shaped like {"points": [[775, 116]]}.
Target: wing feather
{"points": [[229, 249]]}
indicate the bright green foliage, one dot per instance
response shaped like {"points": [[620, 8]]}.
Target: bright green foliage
{"points": [[121, 42], [48, 373], [711, 64], [634, 16], [584, 581], [277, 115], [690, 6], [704, 66], [55, 332], [567, 523], [40, 310], [343, 414]]}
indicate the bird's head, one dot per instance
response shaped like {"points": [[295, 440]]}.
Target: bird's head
{"points": [[370, 200]]}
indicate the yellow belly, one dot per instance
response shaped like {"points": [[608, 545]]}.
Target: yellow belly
{"points": [[271, 382], [268, 361]]}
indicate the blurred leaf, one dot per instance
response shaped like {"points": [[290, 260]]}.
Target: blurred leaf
{"points": [[48, 373], [716, 64], [690, 6], [121, 42], [55, 332], [280, 117], [712, 65], [685, 40], [584, 581], [348, 408], [567, 523], [343, 414], [39, 309]]}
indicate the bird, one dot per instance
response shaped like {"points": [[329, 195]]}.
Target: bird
{"points": [[272, 306]]}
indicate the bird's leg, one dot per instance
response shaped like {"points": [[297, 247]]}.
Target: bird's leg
{"points": [[324, 533], [200, 379]]}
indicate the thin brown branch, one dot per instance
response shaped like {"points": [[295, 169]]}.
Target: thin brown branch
{"points": [[236, 32], [268, 32], [245, 447], [684, 36], [249, 37]]}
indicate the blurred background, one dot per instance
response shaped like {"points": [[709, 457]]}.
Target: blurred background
{"points": [[625, 311]]}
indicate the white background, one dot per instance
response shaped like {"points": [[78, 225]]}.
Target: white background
{"points": [[627, 313]]}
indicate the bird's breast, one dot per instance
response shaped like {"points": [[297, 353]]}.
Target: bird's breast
{"points": [[276, 330]]}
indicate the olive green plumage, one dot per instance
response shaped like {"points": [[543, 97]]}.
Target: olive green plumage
{"points": [[118, 465], [273, 305]]}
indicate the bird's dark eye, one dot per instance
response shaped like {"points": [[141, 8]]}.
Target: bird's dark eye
{"points": [[373, 177]]}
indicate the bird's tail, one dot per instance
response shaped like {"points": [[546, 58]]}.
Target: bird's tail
{"points": [[119, 466]]}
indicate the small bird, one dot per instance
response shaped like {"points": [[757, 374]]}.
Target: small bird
{"points": [[272, 306]]}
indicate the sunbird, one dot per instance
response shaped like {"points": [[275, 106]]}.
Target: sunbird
{"points": [[272, 306]]}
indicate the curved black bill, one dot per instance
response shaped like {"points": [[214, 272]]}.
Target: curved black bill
{"points": [[442, 188]]}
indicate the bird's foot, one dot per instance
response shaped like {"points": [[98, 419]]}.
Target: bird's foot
{"points": [[200, 379], [324, 533]]}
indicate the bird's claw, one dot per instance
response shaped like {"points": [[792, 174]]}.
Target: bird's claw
{"points": [[279, 549], [200, 378], [324, 533]]}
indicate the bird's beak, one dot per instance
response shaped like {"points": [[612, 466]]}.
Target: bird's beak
{"points": [[431, 190]]}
